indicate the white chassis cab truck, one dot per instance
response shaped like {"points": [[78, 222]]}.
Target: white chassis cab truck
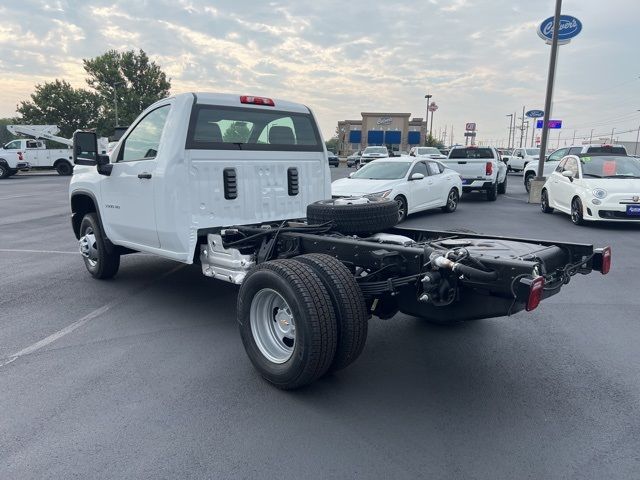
{"points": [[35, 152], [240, 185]]}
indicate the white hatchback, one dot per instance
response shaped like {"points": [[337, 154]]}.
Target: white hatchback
{"points": [[594, 187], [415, 184]]}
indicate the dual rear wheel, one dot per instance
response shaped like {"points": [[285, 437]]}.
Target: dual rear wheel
{"points": [[302, 318]]}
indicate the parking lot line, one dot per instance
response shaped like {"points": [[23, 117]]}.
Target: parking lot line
{"points": [[15, 250], [82, 321], [17, 196]]}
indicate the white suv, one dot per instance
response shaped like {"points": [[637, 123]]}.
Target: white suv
{"points": [[553, 160]]}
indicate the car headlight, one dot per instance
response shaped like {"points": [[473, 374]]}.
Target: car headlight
{"points": [[599, 193], [384, 194]]}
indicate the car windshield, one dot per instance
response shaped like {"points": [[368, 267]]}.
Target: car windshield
{"points": [[428, 151], [533, 151], [606, 166], [378, 170], [471, 153], [375, 150]]}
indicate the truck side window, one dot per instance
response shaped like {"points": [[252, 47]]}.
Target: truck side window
{"points": [[143, 141], [32, 144]]}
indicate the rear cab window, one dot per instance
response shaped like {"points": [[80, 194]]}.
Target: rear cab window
{"points": [[608, 149], [214, 127], [471, 153]]}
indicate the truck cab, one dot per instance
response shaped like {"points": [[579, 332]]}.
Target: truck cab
{"points": [[199, 161]]}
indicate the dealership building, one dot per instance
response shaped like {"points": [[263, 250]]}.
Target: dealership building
{"points": [[398, 131]]}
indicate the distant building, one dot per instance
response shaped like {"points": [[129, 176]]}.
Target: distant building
{"points": [[397, 131]]}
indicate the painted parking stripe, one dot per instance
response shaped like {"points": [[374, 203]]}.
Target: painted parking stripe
{"points": [[83, 321], [12, 250]]}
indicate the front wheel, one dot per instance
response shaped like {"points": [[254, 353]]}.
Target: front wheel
{"points": [[452, 201], [527, 181], [576, 212], [100, 263], [4, 171], [402, 208]]}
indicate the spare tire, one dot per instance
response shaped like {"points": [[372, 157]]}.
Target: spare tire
{"points": [[355, 215]]}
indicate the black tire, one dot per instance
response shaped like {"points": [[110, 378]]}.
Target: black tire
{"points": [[102, 264], [64, 168], [527, 180], [453, 198], [502, 187], [312, 314], [375, 216], [544, 202], [348, 303], [403, 208], [5, 172], [492, 192], [576, 211]]}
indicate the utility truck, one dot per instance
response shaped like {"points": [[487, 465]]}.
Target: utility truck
{"points": [[33, 154], [256, 210]]}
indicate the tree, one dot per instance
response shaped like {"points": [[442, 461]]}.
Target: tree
{"points": [[5, 135], [332, 144], [237, 132], [58, 103], [130, 77], [432, 142]]}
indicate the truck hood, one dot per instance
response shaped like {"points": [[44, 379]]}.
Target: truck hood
{"points": [[346, 187]]}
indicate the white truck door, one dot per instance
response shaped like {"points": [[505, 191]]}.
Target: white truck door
{"points": [[32, 153], [128, 206]]}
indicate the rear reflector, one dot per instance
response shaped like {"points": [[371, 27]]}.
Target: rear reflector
{"points": [[489, 169], [605, 265], [267, 102], [535, 293]]}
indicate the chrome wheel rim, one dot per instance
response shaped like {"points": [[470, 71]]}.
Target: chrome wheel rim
{"points": [[89, 247], [452, 200], [543, 201], [272, 325], [528, 184]]}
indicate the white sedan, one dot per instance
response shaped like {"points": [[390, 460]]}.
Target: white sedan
{"points": [[594, 187], [415, 184]]}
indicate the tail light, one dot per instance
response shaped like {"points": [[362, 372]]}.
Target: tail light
{"points": [[20, 157], [602, 260], [536, 290], [267, 102], [489, 169]]}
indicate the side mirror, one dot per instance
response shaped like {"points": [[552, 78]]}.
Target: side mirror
{"points": [[568, 174], [520, 155], [416, 176], [351, 174], [85, 148]]}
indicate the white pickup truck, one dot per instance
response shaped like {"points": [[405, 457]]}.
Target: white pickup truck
{"points": [[480, 168], [255, 210], [33, 154]]}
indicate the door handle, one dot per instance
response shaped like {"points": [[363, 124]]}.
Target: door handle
{"points": [[146, 175]]}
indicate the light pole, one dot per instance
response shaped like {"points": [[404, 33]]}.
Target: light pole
{"points": [[426, 120], [635, 149], [509, 132], [115, 98]]}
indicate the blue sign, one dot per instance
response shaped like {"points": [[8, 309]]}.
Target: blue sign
{"points": [[550, 124], [535, 113], [569, 28], [355, 136], [375, 137], [392, 137], [413, 138]]}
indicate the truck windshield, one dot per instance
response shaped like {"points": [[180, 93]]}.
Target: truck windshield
{"points": [[378, 170], [231, 128], [533, 151], [471, 153]]}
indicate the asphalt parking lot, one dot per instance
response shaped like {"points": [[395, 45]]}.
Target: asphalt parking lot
{"points": [[145, 376]]}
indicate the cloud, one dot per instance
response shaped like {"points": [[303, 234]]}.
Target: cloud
{"points": [[479, 59]]}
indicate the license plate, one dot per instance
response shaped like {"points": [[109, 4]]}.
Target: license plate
{"points": [[633, 210]]}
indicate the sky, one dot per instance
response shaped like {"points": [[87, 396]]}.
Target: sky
{"points": [[480, 59]]}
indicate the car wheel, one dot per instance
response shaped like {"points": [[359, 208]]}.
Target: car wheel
{"points": [[576, 212], [402, 208], [502, 188], [63, 168], [492, 192], [100, 263], [452, 201], [527, 181], [544, 202]]}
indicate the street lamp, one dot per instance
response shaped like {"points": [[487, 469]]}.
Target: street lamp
{"points": [[510, 122], [115, 98], [426, 120]]}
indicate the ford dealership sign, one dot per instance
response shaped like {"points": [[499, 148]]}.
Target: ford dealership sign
{"points": [[570, 27]]}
